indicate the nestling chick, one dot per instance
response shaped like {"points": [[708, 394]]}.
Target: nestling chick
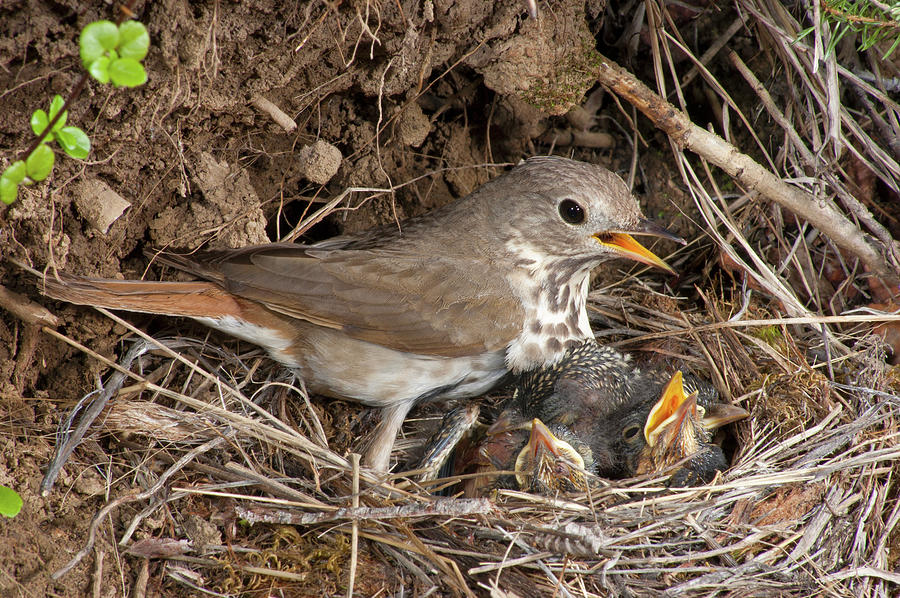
{"points": [[514, 452], [594, 412], [607, 402]]}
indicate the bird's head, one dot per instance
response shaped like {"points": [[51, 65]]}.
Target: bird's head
{"points": [[576, 211], [548, 464], [674, 429]]}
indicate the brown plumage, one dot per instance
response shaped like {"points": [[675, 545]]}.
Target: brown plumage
{"points": [[445, 305]]}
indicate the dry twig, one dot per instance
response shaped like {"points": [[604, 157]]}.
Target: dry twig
{"points": [[686, 134]]}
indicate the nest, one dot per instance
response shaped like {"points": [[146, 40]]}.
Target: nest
{"points": [[808, 506]]}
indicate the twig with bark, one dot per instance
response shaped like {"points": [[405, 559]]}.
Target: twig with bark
{"points": [[678, 126]]}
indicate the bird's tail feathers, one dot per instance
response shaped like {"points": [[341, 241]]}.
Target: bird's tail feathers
{"points": [[194, 264], [189, 299]]}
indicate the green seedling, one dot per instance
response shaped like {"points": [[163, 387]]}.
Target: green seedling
{"points": [[771, 335], [10, 502], [110, 53], [114, 53], [871, 22], [39, 163], [73, 140]]}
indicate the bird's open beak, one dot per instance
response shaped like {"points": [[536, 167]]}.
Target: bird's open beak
{"points": [[542, 439], [670, 410], [625, 244], [544, 447]]}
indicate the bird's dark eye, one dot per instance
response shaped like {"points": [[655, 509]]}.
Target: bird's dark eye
{"points": [[630, 433], [571, 211]]}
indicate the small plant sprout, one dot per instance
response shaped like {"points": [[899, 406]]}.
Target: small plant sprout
{"points": [[37, 166], [872, 23], [73, 140], [114, 53], [109, 53]]}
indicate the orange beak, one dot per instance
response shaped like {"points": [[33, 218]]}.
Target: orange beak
{"points": [[544, 449], [624, 243], [542, 439], [671, 408]]}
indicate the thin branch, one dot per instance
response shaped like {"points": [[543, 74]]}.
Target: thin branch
{"points": [[747, 171]]}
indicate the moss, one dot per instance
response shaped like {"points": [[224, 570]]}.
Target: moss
{"points": [[771, 335], [575, 75]]}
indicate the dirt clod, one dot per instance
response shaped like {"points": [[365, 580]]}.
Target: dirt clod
{"points": [[99, 204], [413, 126], [230, 216], [319, 161]]}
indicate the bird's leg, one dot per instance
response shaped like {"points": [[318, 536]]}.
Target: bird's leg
{"points": [[378, 455]]}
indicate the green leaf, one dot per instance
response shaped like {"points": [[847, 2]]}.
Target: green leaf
{"points": [[128, 72], [10, 502], [9, 181], [99, 69], [39, 121], [55, 106], [8, 189], [892, 48], [16, 172], [39, 164], [134, 41], [74, 142], [96, 40], [803, 33]]}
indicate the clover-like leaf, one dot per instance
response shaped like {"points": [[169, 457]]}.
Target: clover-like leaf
{"points": [[10, 502], [55, 106], [39, 164], [134, 41], [39, 121], [96, 40], [15, 172], [74, 142], [8, 189], [127, 72], [99, 69], [10, 180]]}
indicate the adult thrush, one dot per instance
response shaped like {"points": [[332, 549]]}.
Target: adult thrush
{"points": [[444, 305]]}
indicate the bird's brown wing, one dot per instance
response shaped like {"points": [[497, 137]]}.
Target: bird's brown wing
{"points": [[428, 305]]}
